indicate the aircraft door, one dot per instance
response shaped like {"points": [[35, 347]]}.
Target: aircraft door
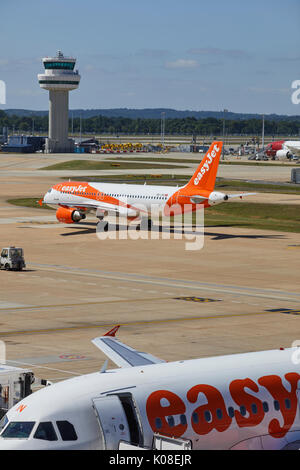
{"points": [[56, 196], [112, 420]]}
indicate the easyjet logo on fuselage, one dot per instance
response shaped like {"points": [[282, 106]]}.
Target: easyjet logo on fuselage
{"points": [[72, 189], [206, 165], [163, 406]]}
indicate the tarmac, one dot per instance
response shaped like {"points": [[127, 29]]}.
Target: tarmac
{"points": [[239, 293]]}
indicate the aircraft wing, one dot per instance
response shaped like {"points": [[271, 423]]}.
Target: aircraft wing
{"points": [[121, 208], [231, 196], [121, 354], [295, 149], [97, 205]]}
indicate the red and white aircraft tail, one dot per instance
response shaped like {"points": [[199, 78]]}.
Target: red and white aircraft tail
{"points": [[282, 149]]}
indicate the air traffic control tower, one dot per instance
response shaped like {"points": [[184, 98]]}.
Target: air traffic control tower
{"points": [[59, 78]]}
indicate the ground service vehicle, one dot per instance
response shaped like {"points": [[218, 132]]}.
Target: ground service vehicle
{"points": [[15, 384], [12, 258]]}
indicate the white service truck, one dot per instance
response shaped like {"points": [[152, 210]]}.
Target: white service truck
{"points": [[15, 384], [12, 258]]}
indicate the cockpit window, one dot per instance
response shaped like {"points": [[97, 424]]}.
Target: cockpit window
{"points": [[18, 430], [67, 431], [46, 432]]}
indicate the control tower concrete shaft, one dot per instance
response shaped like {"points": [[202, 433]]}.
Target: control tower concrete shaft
{"points": [[59, 78]]}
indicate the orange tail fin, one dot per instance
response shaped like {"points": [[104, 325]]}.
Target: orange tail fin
{"points": [[205, 175]]}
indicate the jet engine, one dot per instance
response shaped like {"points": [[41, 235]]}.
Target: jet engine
{"points": [[69, 216], [282, 154]]}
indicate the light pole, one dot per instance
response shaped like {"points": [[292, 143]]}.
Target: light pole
{"points": [[263, 133], [224, 115], [80, 127], [162, 129]]}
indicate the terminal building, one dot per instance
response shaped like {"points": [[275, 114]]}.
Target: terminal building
{"points": [[24, 144], [59, 78]]}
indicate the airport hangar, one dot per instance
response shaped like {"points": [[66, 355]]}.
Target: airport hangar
{"points": [[239, 293]]}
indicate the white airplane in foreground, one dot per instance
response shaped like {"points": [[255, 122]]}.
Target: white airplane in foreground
{"points": [[135, 202], [242, 401]]}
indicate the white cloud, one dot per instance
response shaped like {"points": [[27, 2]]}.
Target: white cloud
{"points": [[182, 64]]}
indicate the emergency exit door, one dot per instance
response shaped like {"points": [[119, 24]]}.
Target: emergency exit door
{"points": [[112, 420]]}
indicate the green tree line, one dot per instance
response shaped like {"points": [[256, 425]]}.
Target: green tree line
{"points": [[181, 126]]}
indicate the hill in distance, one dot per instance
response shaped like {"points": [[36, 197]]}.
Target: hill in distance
{"points": [[155, 113]]}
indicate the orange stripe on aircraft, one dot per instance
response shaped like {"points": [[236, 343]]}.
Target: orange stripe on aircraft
{"points": [[86, 191]]}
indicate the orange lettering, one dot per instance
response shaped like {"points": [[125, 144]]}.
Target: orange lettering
{"points": [[252, 405], [21, 408], [273, 384], [216, 406], [156, 411]]}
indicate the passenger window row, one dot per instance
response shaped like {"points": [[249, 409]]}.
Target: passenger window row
{"points": [[136, 196], [219, 414], [76, 193]]}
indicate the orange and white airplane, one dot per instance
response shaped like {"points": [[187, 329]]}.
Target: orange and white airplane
{"points": [[74, 200], [242, 401]]}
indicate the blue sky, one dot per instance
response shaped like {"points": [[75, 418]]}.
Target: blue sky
{"points": [[192, 54]]}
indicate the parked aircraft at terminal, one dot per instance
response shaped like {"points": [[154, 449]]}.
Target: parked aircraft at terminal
{"points": [[135, 202], [242, 401]]}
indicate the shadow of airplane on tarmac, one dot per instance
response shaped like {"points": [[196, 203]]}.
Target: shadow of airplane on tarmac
{"points": [[91, 227]]}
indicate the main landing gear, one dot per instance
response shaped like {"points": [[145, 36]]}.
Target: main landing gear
{"points": [[146, 224], [102, 225]]}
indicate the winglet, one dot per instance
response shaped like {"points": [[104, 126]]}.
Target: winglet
{"points": [[113, 331], [40, 202]]}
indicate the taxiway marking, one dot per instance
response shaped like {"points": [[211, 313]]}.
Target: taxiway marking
{"points": [[145, 322], [174, 283]]}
